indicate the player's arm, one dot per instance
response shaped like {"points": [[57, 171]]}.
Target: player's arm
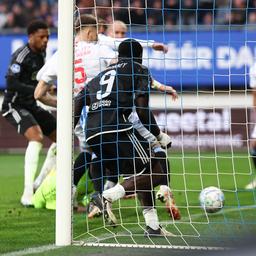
{"points": [[81, 100], [46, 76], [163, 88], [145, 114], [42, 93], [141, 101], [115, 42], [13, 79]]}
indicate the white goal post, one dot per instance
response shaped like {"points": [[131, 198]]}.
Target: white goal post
{"points": [[64, 123]]}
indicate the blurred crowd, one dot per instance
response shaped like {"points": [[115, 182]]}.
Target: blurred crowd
{"points": [[16, 14]]}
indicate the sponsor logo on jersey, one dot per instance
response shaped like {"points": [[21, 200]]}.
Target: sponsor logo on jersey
{"points": [[15, 68], [102, 103]]}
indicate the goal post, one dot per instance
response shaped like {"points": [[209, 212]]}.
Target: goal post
{"points": [[64, 123]]}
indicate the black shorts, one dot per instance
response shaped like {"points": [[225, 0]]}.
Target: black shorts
{"points": [[24, 118], [124, 153]]}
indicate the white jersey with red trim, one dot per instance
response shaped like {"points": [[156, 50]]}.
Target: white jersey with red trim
{"points": [[90, 60]]}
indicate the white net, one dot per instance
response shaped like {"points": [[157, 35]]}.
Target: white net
{"points": [[211, 48]]}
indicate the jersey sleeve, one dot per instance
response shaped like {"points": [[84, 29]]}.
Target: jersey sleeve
{"points": [[114, 43], [252, 75], [107, 55], [143, 80], [13, 76], [48, 73]]}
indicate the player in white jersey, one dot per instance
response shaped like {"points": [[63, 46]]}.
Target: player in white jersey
{"points": [[91, 57], [252, 185]]}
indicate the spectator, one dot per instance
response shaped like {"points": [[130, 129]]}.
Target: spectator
{"points": [[252, 18], [138, 13], [29, 7], [20, 20], [16, 14], [188, 12], [238, 12], [3, 14]]}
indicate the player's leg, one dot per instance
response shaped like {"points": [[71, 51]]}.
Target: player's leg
{"points": [[164, 193], [34, 136], [48, 164], [26, 124], [143, 176], [47, 123]]}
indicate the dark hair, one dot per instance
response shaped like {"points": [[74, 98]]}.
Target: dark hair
{"points": [[85, 20], [103, 23], [36, 25], [130, 48]]}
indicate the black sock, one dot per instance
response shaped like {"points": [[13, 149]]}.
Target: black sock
{"points": [[80, 166]]}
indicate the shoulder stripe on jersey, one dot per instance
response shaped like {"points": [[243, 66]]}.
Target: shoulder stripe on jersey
{"points": [[21, 56]]}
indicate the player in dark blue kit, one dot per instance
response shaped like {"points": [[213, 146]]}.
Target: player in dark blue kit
{"points": [[112, 97], [19, 106]]}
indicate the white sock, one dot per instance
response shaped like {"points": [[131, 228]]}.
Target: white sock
{"points": [[49, 163], [164, 189], [114, 193], [151, 218], [31, 163], [109, 184]]}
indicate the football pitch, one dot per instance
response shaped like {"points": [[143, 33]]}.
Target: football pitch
{"points": [[27, 228]]}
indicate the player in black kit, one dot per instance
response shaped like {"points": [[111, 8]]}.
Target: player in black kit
{"points": [[112, 96], [19, 106]]}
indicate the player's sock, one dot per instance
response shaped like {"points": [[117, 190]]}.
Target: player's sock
{"points": [[162, 158], [80, 166], [49, 163], [96, 174], [151, 218], [31, 163], [109, 184], [114, 193]]}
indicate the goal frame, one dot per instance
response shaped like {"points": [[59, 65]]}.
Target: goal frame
{"points": [[63, 235]]}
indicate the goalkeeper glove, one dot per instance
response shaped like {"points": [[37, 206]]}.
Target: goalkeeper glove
{"points": [[164, 140]]}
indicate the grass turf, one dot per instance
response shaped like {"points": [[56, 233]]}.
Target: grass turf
{"points": [[22, 228]]}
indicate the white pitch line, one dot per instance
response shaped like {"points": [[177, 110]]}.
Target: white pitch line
{"points": [[40, 249], [53, 247]]}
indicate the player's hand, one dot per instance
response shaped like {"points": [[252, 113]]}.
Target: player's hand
{"points": [[164, 140], [170, 90], [160, 47]]}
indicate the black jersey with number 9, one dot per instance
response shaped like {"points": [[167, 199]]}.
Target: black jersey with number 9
{"points": [[112, 97]]}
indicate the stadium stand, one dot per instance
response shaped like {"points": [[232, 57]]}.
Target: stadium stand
{"points": [[16, 14]]}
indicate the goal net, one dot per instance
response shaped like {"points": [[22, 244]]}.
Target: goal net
{"points": [[211, 47]]}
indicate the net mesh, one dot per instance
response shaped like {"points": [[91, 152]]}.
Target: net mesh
{"points": [[211, 48]]}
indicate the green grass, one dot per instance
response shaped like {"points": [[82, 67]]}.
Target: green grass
{"points": [[22, 228]]}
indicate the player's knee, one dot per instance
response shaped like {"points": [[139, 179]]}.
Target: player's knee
{"points": [[34, 133]]}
